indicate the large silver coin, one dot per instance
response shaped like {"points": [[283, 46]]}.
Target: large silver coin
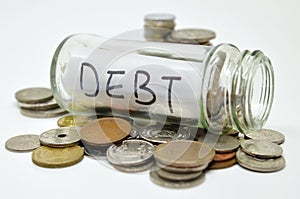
{"points": [[42, 113], [131, 152], [180, 169], [40, 106], [175, 184], [134, 169], [198, 35], [157, 134], [34, 95], [177, 176], [257, 164], [267, 135], [23, 143], [60, 137], [262, 149], [221, 143]]}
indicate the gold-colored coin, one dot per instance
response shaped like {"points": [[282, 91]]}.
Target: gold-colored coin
{"points": [[57, 157], [72, 120]]}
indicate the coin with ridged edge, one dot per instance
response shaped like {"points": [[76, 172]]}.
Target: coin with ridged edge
{"points": [[266, 135], [60, 137], [34, 95], [23, 143], [262, 149], [57, 157], [175, 184], [177, 176]]}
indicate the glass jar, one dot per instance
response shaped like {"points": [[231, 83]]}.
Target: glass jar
{"points": [[216, 87]]}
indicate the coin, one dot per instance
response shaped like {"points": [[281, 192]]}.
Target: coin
{"points": [[131, 152], [177, 176], [258, 164], [97, 152], [221, 143], [34, 95], [184, 153], [105, 131], [23, 143], [262, 149], [72, 120], [134, 169], [224, 156], [198, 35], [222, 164], [175, 184], [43, 113], [267, 135], [180, 169], [57, 157], [60, 137], [159, 17], [159, 134], [40, 106]]}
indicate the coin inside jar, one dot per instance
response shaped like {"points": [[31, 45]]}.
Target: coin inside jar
{"points": [[72, 120], [105, 131], [263, 149], [60, 137], [23, 143]]}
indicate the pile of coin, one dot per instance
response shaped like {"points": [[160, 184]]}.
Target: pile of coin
{"points": [[38, 102], [181, 163], [160, 27]]}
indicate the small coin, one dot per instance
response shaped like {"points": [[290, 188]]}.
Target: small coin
{"points": [[175, 184], [23, 143], [43, 113], [60, 137], [51, 104], [34, 95], [159, 134], [262, 149], [131, 152], [184, 153], [219, 157], [180, 169], [57, 157], [198, 35], [258, 164], [222, 164], [72, 120], [177, 176], [105, 131], [134, 169], [267, 135]]}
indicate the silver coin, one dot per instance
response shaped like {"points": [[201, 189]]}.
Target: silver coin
{"points": [[157, 134], [60, 137], [40, 106], [133, 133], [180, 169], [134, 169], [34, 95], [23, 143], [175, 184], [177, 176], [198, 35], [262, 149], [43, 113], [159, 17], [131, 152], [221, 143], [257, 164], [267, 135]]}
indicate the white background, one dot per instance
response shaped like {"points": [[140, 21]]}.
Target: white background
{"points": [[30, 32]]}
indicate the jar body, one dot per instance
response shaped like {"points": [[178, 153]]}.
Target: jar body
{"points": [[170, 83]]}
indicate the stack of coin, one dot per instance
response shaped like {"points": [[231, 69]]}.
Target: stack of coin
{"points": [[158, 26], [38, 103], [191, 36], [98, 135], [131, 156], [261, 156], [180, 163]]}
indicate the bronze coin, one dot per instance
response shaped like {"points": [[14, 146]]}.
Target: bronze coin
{"points": [[105, 131], [223, 164], [219, 157]]}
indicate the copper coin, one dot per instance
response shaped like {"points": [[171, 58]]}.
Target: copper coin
{"points": [[184, 153], [223, 164], [105, 131], [224, 156]]}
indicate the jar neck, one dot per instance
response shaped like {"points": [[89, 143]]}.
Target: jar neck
{"points": [[239, 91]]}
